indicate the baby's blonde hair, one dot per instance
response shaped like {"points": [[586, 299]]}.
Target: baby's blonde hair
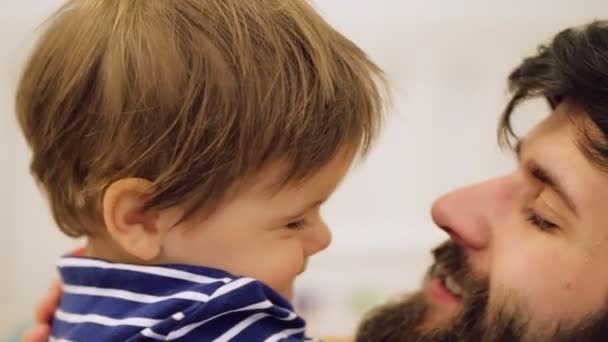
{"points": [[192, 95]]}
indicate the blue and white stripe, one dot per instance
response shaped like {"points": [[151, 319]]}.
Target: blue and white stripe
{"points": [[105, 301]]}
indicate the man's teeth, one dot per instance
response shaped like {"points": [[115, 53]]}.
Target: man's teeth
{"points": [[452, 286], [439, 272]]}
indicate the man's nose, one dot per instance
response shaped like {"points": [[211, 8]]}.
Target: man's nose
{"points": [[466, 214]]}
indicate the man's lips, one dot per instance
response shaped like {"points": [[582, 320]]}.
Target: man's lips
{"points": [[442, 286]]}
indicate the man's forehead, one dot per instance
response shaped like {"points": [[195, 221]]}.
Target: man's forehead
{"points": [[556, 130], [572, 119]]}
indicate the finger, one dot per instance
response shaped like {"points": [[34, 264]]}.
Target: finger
{"points": [[39, 333], [48, 305]]}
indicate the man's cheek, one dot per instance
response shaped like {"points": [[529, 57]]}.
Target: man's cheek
{"points": [[546, 283]]}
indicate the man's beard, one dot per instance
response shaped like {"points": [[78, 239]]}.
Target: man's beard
{"points": [[402, 321]]}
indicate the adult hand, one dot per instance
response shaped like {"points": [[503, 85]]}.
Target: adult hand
{"points": [[41, 331]]}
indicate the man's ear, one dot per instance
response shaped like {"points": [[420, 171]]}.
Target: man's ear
{"points": [[139, 232]]}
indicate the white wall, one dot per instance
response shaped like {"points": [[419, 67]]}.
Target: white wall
{"points": [[447, 61]]}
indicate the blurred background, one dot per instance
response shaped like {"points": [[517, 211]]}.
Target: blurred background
{"points": [[447, 62]]}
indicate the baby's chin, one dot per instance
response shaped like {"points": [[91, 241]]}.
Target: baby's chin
{"points": [[287, 292], [285, 286]]}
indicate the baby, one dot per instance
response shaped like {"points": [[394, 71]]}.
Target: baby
{"points": [[192, 143]]}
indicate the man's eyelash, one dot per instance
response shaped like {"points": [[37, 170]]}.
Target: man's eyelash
{"points": [[538, 221]]}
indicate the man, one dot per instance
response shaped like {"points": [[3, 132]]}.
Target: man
{"points": [[527, 254], [528, 251]]}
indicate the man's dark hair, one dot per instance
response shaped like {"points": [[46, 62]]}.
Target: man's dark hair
{"points": [[573, 66]]}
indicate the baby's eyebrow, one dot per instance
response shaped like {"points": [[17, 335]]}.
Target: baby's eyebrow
{"points": [[303, 211]]}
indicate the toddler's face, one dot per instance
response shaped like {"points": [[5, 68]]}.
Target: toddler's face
{"points": [[264, 234]]}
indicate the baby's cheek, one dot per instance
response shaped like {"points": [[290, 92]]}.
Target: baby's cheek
{"points": [[280, 272]]}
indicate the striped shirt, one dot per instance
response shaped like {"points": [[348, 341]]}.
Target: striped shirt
{"points": [[105, 301]]}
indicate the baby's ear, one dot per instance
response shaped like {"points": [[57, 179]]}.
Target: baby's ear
{"points": [[138, 231]]}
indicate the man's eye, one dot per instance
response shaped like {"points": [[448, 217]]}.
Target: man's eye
{"points": [[297, 224], [538, 221]]}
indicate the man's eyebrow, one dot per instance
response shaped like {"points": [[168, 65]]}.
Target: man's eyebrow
{"points": [[518, 147], [543, 175]]}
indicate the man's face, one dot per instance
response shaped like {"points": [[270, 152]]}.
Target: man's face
{"points": [[527, 256]]}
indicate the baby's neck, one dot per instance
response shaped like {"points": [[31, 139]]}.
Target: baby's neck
{"points": [[106, 249]]}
